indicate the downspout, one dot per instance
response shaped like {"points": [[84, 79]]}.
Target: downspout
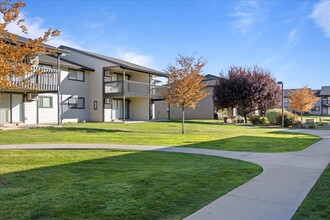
{"points": [[149, 101], [59, 89], [123, 112]]}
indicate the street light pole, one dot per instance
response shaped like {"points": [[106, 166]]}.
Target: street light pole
{"points": [[281, 83]]}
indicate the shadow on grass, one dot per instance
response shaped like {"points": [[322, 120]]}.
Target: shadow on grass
{"points": [[214, 122], [82, 129], [141, 185]]}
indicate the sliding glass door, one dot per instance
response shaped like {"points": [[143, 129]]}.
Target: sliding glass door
{"points": [[117, 109]]}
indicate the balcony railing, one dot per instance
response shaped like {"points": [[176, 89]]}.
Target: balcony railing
{"points": [[131, 88], [325, 102], [39, 79]]}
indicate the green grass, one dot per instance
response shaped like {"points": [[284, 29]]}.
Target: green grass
{"points": [[199, 134], [100, 184], [317, 203], [317, 118]]}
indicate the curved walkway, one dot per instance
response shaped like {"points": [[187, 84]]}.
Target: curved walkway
{"points": [[274, 194]]}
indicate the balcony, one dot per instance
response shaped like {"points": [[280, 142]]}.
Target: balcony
{"points": [[40, 79], [326, 102], [131, 89]]}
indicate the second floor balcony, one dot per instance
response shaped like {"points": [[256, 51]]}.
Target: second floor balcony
{"points": [[39, 79], [326, 102], [132, 89]]}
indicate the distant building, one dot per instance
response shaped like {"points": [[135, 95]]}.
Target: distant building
{"points": [[321, 107], [205, 109]]}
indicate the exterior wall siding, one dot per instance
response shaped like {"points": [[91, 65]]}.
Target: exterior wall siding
{"points": [[203, 110], [30, 112], [72, 88], [95, 89], [49, 115]]}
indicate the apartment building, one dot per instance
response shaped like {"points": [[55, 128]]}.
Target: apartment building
{"points": [[321, 107], [77, 85], [204, 109]]}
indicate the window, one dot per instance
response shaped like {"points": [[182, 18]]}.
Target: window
{"points": [[316, 108], [45, 102], [76, 103], [76, 75]]}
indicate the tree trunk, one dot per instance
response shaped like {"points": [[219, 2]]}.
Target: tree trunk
{"points": [[301, 116], [245, 118], [182, 128]]}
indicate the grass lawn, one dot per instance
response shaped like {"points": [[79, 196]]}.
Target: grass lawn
{"points": [[317, 118], [100, 184], [317, 203], [199, 134]]}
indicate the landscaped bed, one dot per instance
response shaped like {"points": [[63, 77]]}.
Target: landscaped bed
{"points": [[199, 134], [100, 184]]}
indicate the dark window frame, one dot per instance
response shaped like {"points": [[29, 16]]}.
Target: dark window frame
{"points": [[316, 109], [41, 102], [75, 79], [75, 105]]}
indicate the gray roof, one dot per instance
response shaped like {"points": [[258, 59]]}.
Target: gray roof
{"points": [[325, 91], [52, 60], [209, 77], [316, 92], [121, 63], [287, 92], [23, 40]]}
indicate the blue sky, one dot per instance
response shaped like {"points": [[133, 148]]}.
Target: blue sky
{"points": [[290, 38]]}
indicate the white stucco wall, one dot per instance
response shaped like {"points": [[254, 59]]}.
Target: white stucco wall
{"points": [[49, 115]]}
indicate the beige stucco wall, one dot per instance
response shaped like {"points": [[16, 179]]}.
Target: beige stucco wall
{"points": [[139, 109], [204, 109]]}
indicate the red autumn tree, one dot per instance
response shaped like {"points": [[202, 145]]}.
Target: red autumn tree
{"points": [[14, 54], [185, 87], [248, 89]]}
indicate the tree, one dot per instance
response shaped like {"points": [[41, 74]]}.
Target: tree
{"points": [[302, 100], [14, 54], [248, 89], [185, 87]]}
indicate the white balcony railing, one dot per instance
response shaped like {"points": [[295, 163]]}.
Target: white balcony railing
{"points": [[38, 79]]}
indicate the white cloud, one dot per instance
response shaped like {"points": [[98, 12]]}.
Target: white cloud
{"points": [[321, 16], [134, 57], [293, 37], [36, 29], [246, 14]]}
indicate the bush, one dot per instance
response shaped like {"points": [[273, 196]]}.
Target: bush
{"points": [[311, 126], [289, 119], [272, 115], [264, 120], [255, 120]]}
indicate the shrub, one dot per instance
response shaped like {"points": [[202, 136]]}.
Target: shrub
{"points": [[272, 115], [289, 119], [255, 120], [322, 124], [311, 126], [264, 120]]}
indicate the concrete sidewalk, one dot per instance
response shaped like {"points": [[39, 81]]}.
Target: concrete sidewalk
{"points": [[275, 194]]}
